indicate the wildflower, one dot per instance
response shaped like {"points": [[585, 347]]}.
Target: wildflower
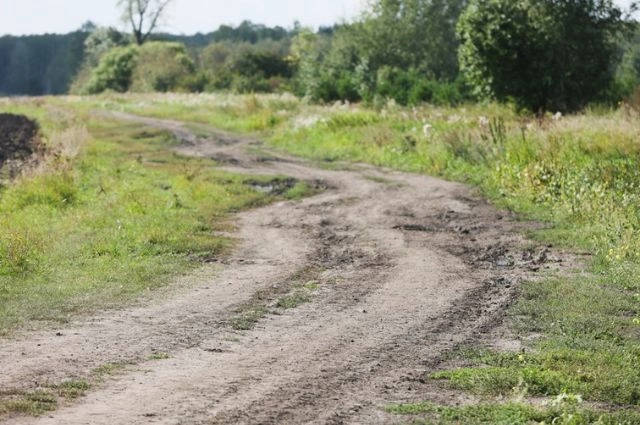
{"points": [[426, 129], [483, 121], [557, 116]]}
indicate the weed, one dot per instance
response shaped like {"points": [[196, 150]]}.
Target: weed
{"points": [[109, 369], [294, 300], [247, 319], [72, 389], [33, 403]]}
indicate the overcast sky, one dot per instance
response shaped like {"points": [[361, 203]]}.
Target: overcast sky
{"points": [[19, 17], [185, 16]]}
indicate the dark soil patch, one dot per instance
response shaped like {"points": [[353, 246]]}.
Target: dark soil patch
{"points": [[19, 139]]}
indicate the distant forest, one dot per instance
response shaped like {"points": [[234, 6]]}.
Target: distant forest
{"points": [[47, 64], [540, 56]]}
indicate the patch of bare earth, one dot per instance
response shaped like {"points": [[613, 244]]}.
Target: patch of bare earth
{"points": [[19, 144], [405, 268]]}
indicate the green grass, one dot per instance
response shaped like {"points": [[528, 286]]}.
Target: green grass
{"points": [[38, 402], [578, 174], [33, 403], [121, 216], [512, 414], [72, 389], [109, 369], [301, 294], [247, 318]]}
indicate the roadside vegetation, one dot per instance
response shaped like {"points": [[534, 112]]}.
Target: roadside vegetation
{"points": [[109, 213], [577, 173]]}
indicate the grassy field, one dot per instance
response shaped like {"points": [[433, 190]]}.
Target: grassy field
{"points": [[109, 214], [578, 173]]}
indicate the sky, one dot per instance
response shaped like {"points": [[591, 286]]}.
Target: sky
{"points": [[20, 17]]}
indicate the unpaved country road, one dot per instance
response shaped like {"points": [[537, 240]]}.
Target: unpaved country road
{"points": [[407, 267]]}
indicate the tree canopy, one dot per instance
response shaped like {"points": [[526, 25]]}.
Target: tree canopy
{"points": [[543, 54]]}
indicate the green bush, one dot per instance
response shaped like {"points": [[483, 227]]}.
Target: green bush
{"points": [[545, 55], [152, 67], [161, 67], [114, 71]]}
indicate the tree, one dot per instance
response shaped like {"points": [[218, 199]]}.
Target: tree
{"points": [[114, 71], [395, 46], [546, 55], [161, 67], [143, 16], [412, 34], [100, 41]]}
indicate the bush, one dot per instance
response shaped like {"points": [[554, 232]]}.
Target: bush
{"points": [[114, 71], [161, 67], [546, 55], [412, 88], [154, 66]]}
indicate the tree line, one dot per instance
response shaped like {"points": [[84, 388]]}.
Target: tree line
{"points": [[540, 55]]}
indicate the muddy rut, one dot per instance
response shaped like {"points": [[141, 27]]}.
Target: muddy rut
{"points": [[402, 269]]}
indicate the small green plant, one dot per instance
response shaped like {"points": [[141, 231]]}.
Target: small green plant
{"points": [[72, 389], [247, 319], [108, 369], [33, 403], [297, 298]]}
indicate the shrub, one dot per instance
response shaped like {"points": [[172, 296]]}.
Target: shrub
{"points": [[161, 67], [114, 71], [547, 55]]}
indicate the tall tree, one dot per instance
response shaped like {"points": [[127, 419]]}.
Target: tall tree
{"points": [[417, 34], [546, 55], [143, 16]]}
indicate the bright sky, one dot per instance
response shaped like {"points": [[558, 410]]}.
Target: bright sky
{"points": [[18, 17]]}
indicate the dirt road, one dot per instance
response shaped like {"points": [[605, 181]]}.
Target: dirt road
{"points": [[398, 269]]}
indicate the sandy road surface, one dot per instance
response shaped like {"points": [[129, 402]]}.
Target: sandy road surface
{"points": [[407, 268]]}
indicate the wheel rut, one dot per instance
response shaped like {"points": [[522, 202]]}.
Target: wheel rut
{"points": [[403, 269]]}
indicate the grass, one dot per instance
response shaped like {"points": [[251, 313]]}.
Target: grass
{"points": [[110, 214], [579, 174], [109, 369], [248, 317], [513, 413], [33, 403], [72, 389], [38, 402], [301, 295]]}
